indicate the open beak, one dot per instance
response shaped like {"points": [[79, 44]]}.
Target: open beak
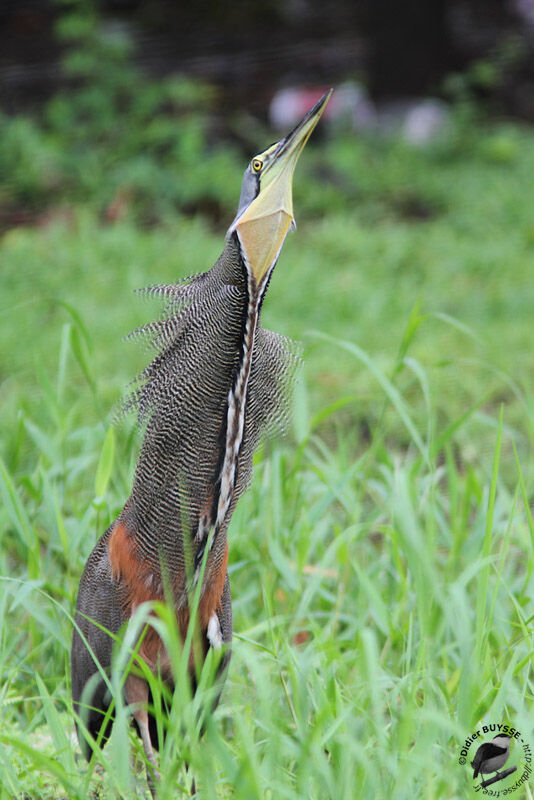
{"points": [[263, 225]]}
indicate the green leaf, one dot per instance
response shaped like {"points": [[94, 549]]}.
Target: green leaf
{"points": [[42, 762], [14, 507], [81, 354], [105, 464], [390, 390], [482, 585]]}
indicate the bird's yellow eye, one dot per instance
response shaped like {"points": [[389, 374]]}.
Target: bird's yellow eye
{"points": [[257, 165]]}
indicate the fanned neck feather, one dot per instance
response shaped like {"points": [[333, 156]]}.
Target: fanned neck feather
{"points": [[219, 379]]}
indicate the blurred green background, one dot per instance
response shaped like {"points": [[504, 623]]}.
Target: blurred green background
{"points": [[120, 180], [400, 501]]}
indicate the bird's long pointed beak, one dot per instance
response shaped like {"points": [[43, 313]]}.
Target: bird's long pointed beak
{"points": [[263, 225], [288, 150]]}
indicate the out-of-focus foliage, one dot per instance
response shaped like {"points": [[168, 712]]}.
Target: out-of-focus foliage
{"points": [[115, 139]]}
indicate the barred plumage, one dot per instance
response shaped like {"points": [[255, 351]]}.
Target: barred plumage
{"points": [[178, 476], [217, 382]]}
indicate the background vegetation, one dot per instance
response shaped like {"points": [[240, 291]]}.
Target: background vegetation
{"points": [[381, 564]]}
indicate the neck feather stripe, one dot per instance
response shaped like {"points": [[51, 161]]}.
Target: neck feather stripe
{"points": [[208, 528]]}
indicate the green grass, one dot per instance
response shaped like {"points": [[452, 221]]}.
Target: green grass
{"points": [[381, 563]]}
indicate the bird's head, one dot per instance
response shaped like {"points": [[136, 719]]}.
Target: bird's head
{"points": [[502, 740], [265, 211]]}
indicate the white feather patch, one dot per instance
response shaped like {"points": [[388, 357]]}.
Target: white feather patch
{"points": [[214, 632]]}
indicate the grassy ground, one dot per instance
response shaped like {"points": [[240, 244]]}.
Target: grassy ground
{"points": [[381, 564]]}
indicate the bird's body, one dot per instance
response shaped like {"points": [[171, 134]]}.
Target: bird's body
{"points": [[218, 380], [491, 756], [176, 488]]}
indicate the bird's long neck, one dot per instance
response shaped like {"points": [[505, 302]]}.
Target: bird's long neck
{"points": [[208, 529], [189, 473]]}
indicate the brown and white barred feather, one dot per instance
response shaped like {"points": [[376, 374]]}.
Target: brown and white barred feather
{"points": [[218, 382]]}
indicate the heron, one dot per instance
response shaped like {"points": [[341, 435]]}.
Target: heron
{"points": [[218, 380]]}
